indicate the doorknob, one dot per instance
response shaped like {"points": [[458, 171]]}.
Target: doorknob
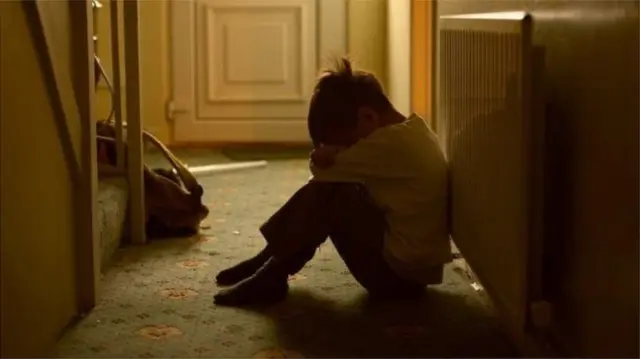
{"points": [[173, 110]]}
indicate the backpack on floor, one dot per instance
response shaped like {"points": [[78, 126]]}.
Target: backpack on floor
{"points": [[173, 198]]}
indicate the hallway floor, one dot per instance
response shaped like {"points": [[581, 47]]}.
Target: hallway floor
{"points": [[157, 299]]}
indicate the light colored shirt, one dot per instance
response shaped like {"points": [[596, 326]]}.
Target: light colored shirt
{"points": [[404, 170]]}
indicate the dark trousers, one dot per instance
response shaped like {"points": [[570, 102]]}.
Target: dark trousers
{"points": [[345, 213]]}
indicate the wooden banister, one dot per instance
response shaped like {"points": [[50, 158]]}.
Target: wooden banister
{"points": [[134, 123]]}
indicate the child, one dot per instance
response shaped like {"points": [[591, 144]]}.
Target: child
{"points": [[379, 191]]}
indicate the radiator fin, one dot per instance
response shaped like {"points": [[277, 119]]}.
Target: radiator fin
{"points": [[481, 112]]}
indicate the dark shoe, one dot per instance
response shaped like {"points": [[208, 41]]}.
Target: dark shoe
{"points": [[268, 286], [242, 270]]}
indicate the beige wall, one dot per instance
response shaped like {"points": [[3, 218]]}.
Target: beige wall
{"points": [[367, 35], [37, 282], [592, 83], [367, 45], [154, 64], [102, 23], [155, 72]]}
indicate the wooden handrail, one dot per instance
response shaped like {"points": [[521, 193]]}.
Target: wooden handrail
{"points": [[88, 243], [116, 71]]}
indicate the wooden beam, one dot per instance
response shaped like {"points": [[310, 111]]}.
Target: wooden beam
{"points": [[134, 123], [116, 74], [88, 246]]}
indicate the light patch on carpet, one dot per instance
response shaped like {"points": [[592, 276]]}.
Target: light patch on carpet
{"points": [[192, 263], [159, 331], [178, 293]]}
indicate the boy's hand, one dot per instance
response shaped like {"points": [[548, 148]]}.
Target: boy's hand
{"points": [[324, 156]]}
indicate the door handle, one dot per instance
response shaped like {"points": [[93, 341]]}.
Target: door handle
{"points": [[174, 110]]}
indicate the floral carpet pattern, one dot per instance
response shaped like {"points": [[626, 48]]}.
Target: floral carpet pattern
{"points": [[157, 298]]}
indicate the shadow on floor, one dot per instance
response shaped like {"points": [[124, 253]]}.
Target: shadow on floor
{"points": [[439, 325]]}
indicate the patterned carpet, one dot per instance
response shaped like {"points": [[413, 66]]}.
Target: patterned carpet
{"points": [[157, 298]]}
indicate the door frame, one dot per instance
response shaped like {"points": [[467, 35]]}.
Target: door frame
{"points": [[330, 14], [423, 58], [411, 53]]}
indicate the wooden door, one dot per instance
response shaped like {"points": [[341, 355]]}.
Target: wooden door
{"points": [[244, 70]]}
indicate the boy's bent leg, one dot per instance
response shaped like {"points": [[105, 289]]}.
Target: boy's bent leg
{"points": [[303, 222], [293, 233], [357, 231], [243, 270], [268, 285], [303, 216], [355, 225]]}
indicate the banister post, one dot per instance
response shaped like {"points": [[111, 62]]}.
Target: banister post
{"points": [[134, 123]]}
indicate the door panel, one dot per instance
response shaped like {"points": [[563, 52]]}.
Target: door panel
{"points": [[245, 70]]}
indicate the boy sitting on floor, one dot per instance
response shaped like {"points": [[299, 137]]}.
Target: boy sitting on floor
{"points": [[379, 191]]}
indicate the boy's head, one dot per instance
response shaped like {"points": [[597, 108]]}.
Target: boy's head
{"points": [[346, 106]]}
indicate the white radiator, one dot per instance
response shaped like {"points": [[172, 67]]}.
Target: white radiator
{"points": [[492, 136]]}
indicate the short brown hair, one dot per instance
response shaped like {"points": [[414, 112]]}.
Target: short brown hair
{"points": [[338, 94]]}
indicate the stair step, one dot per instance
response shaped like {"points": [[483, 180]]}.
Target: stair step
{"points": [[112, 201]]}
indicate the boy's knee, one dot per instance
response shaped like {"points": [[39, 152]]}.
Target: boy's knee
{"points": [[343, 199]]}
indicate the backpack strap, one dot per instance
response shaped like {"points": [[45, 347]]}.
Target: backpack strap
{"points": [[187, 178], [185, 175]]}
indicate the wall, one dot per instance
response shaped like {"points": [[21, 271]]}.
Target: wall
{"points": [[367, 35], [155, 72], [154, 64], [592, 89], [399, 50], [37, 282], [367, 45]]}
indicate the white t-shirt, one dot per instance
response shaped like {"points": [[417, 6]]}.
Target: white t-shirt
{"points": [[404, 170]]}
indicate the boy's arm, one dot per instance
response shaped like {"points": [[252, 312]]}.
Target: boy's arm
{"points": [[373, 157], [325, 156]]}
